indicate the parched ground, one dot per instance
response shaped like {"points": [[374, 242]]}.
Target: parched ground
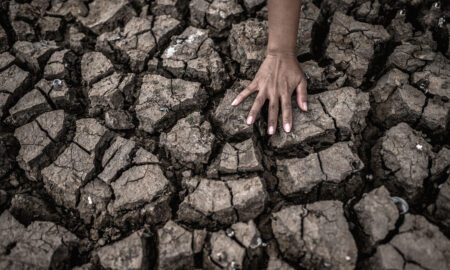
{"points": [[119, 148]]}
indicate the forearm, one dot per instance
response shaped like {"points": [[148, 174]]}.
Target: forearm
{"points": [[283, 26]]}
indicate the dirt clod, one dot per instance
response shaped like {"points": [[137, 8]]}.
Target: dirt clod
{"points": [[120, 149]]}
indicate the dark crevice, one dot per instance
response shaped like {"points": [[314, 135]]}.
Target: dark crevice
{"points": [[47, 98], [173, 171], [337, 131], [377, 64], [231, 200], [45, 131]]}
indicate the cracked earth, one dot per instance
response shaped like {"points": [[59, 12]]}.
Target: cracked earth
{"points": [[120, 148]]}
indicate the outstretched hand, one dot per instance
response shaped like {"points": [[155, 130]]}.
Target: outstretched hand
{"points": [[277, 78]]}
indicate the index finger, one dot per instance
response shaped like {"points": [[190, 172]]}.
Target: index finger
{"points": [[245, 93]]}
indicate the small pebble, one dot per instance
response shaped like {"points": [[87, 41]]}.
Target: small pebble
{"points": [[14, 182], [57, 82], [221, 256], [186, 174], [355, 164], [101, 242], [257, 244], [401, 204], [164, 109], [305, 211], [423, 84], [441, 22]]}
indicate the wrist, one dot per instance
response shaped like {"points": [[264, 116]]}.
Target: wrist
{"points": [[281, 52]]}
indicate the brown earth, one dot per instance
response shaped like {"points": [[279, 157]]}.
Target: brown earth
{"points": [[119, 147]]}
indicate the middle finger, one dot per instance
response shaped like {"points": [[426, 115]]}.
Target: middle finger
{"points": [[273, 115], [257, 105], [286, 108]]}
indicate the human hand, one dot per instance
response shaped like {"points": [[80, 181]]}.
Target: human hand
{"points": [[277, 78]]}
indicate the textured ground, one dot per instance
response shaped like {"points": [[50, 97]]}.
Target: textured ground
{"points": [[119, 148]]}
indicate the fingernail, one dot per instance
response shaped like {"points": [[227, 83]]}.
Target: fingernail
{"points": [[271, 130], [287, 127], [234, 102], [249, 120], [305, 106]]}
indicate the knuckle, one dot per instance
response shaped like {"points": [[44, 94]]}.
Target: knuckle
{"points": [[286, 116], [286, 110], [285, 84], [272, 117], [272, 91], [273, 106], [273, 109], [284, 92], [286, 103], [265, 79], [260, 99]]}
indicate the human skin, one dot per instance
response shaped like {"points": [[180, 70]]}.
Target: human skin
{"points": [[280, 74]]}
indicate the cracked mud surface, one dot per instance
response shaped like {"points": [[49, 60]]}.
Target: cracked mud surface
{"points": [[120, 148]]}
